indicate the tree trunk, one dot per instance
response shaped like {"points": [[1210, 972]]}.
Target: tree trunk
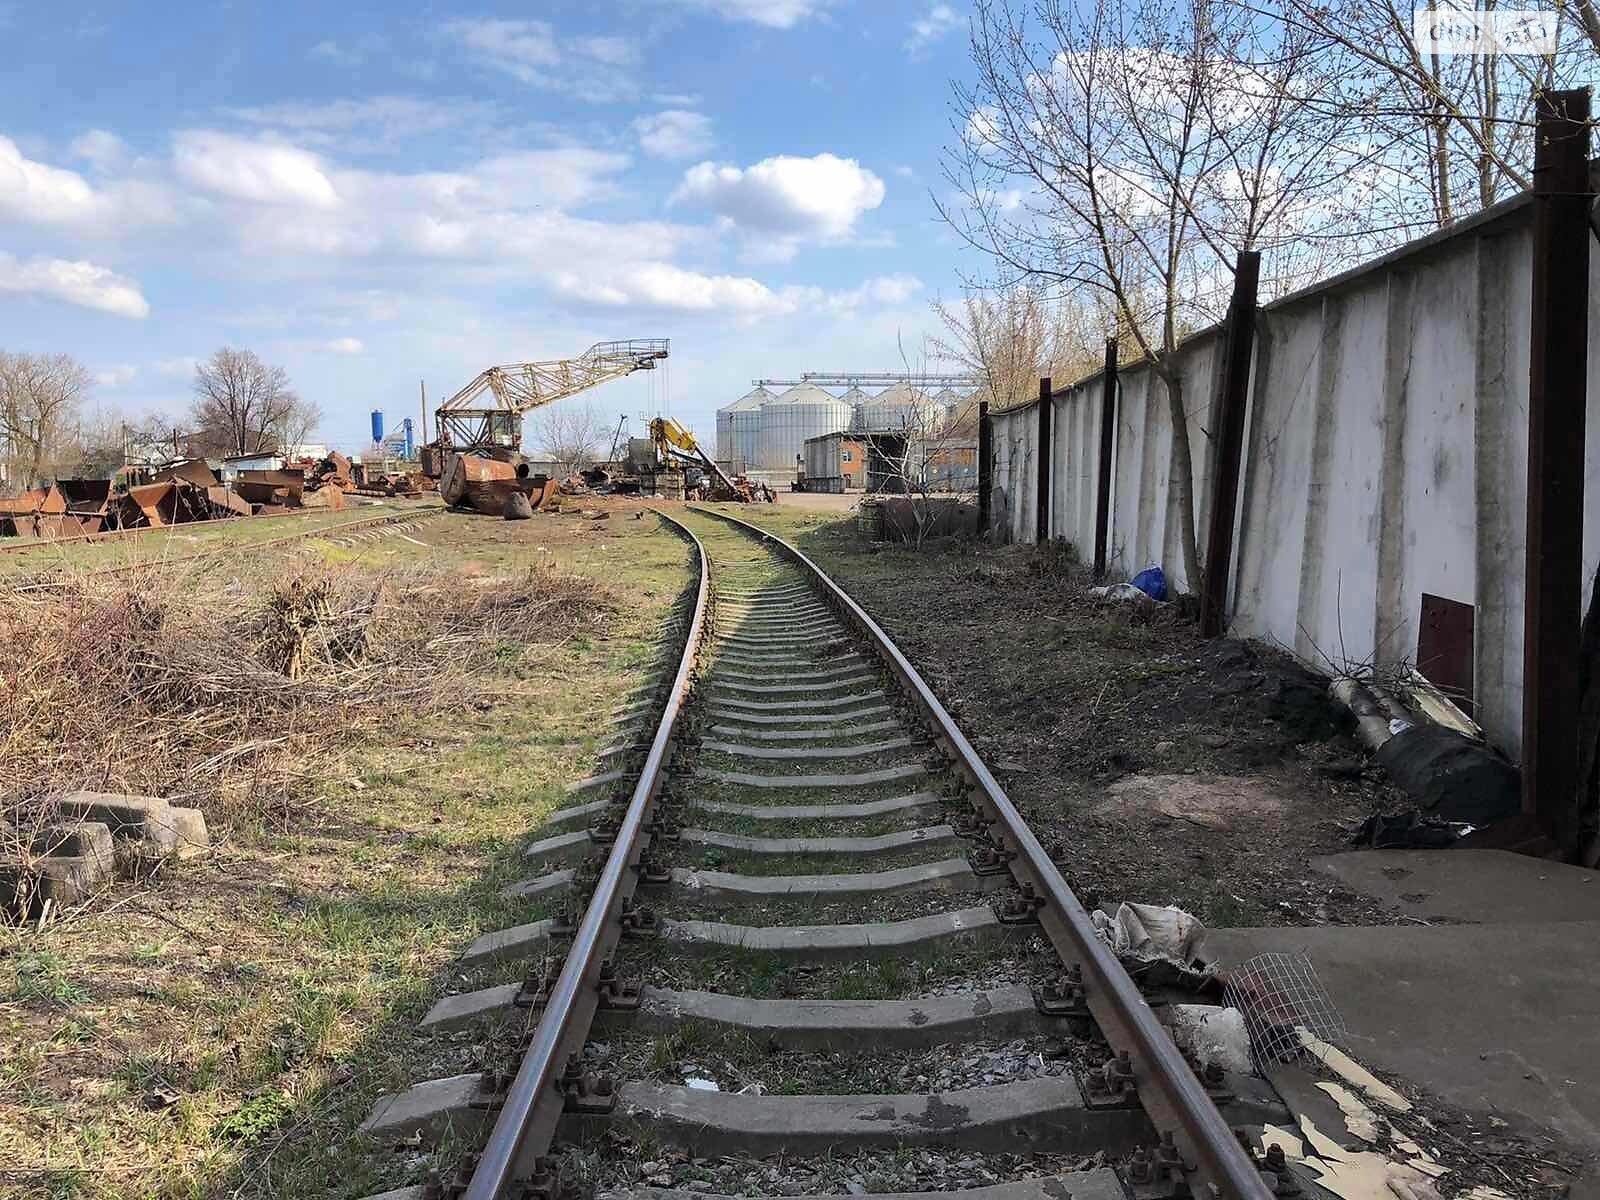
{"points": [[1182, 481]]}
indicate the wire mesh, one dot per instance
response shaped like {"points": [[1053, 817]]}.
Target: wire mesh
{"points": [[1280, 995]]}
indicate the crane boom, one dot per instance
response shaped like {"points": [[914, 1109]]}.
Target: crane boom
{"points": [[470, 420]]}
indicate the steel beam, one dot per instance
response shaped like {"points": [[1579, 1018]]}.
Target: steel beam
{"points": [[1041, 529], [985, 466], [1232, 398], [1108, 422], [1557, 373]]}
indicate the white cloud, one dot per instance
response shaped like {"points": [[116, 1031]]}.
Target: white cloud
{"points": [[939, 21], [674, 133], [103, 150], [388, 119], [176, 368], [117, 376], [787, 197], [663, 286], [880, 291], [80, 283], [35, 191], [589, 68], [344, 345], [261, 171], [351, 54], [777, 14]]}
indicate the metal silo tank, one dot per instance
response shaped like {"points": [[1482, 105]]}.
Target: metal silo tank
{"points": [[738, 425], [802, 412]]}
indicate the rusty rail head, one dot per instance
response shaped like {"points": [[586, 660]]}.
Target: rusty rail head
{"points": [[1168, 1089], [514, 1143]]}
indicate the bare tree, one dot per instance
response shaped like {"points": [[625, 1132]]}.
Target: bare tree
{"points": [[40, 397], [1124, 152], [571, 435], [242, 405], [1011, 336]]}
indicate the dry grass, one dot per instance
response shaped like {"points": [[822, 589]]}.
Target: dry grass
{"points": [[222, 696]]}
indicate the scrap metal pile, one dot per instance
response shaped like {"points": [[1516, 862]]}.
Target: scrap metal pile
{"points": [[180, 493]]}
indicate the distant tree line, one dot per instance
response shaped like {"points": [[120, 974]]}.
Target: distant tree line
{"points": [[49, 428]]}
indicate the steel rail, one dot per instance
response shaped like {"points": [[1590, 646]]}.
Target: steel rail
{"points": [[1167, 1088], [534, 1101]]}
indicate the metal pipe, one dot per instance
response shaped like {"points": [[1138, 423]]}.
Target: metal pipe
{"points": [[514, 1143], [1168, 1089]]}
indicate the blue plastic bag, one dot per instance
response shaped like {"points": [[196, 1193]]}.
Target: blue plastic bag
{"points": [[1152, 581]]}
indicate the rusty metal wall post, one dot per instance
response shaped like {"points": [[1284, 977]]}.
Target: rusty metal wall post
{"points": [[985, 466], [1557, 373], [1041, 529], [1108, 423], [1235, 389]]}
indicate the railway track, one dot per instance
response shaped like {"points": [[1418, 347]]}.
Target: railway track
{"points": [[797, 941]]}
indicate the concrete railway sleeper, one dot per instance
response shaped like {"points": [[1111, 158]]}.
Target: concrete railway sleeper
{"points": [[801, 929]]}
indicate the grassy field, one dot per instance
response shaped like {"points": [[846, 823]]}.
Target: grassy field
{"points": [[23, 557], [220, 1026]]}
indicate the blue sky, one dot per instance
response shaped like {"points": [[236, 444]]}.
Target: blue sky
{"points": [[372, 194]]}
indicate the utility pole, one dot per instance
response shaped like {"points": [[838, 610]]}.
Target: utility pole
{"points": [[1041, 528]]}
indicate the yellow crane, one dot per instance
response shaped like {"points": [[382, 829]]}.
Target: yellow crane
{"points": [[467, 424], [674, 443]]}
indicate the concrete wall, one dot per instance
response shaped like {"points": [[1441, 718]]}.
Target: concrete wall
{"points": [[1385, 457]]}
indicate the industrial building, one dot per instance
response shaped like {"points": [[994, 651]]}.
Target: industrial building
{"points": [[771, 433]]}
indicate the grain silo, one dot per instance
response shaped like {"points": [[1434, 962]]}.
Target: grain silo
{"points": [[899, 409], [804, 411], [855, 398], [738, 428]]}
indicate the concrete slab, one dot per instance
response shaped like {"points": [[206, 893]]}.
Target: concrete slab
{"points": [[158, 827], [849, 1024], [466, 1008], [785, 707], [596, 781], [1035, 1114], [917, 802], [1494, 1018], [859, 779], [803, 753], [764, 715], [544, 885], [1099, 1184], [806, 735], [572, 847], [950, 875], [785, 689], [433, 1109], [1469, 885], [502, 944], [928, 835], [578, 813], [854, 668], [888, 939]]}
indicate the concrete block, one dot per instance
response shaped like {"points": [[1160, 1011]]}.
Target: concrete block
{"points": [[67, 864], [1099, 1184], [572, 847], [434, 1108], [502, 944], [767, 715], [1035, 1114], [466, 1008], [804, 753], [786, 708], [848, 1024], [595, 781], [951, 875], [859, 779], [159, 828], [886, 939], [793, 688], [804, 735], [917, 802], [556, 881], [930, 835]]}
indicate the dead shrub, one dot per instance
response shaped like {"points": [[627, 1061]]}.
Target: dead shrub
{"points": [[221, 692]]}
